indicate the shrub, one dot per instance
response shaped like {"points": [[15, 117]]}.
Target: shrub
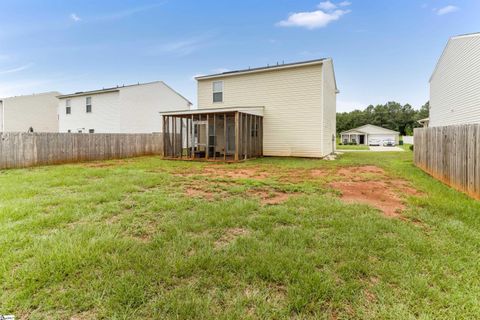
{"points": [[411, 147]]}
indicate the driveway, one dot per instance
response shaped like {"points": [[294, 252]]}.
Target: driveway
{"points": [[376, 149], [386, 149]]}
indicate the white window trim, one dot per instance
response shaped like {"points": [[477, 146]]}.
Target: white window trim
{"points": [[216, 91], [86, 105]]}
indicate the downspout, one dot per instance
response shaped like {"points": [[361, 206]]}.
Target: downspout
{"points": [[322, 127], [2, 102]]}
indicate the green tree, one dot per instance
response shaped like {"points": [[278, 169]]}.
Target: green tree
{"points": [[392, 115]]}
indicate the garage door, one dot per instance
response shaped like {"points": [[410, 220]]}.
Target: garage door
{"points": [[377, 139]]}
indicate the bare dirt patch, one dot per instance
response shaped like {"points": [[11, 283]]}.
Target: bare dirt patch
{"points": [[198, 193], [226, 172], [99, 164], [370, 185], [374, 193], [303, 175], [360, 173], [229, 236], [269, 197]]}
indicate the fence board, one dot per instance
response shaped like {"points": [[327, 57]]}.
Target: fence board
{"points": [[451, 154], [20, 150]]}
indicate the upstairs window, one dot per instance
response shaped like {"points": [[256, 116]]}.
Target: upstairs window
{"points": [[68, 107], [91, 130], [217, 91], [89, 104]]}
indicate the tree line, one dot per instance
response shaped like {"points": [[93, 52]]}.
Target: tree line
{"points": [[392, 115]]}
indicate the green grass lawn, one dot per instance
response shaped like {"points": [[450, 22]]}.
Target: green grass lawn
{"points": [[152, 239], [352, 147]]}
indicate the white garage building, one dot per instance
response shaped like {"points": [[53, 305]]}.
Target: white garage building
{"points": [[369, 135]]}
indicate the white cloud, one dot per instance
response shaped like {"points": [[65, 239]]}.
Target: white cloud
{"points": [[128, 12], [446, 10], [327, 6], [312, 20], [75, 17], [181, 47], [15, 70], [345, 4]]}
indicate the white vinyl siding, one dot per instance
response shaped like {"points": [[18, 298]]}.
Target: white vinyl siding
{"points": [[130, 109], [455, 84], [293, 115], [37, 111]]}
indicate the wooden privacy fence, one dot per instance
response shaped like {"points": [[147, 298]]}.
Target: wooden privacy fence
{"points": [[452, 155], [19, 150]]}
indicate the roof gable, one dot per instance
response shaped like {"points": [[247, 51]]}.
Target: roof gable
{"points": [[447, 47], [371, 129]]}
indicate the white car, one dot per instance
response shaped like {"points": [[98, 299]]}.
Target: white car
{"points": [[374, 142]]}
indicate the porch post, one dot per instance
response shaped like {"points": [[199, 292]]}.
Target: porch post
{"points": [[261, 137], [245, 153], [237, 135], [225, 136], [214, 136], [181, 138], [192, 129], [163, 131], [240, 149], [208, 138]]}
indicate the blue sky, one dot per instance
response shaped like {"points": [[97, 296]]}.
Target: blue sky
{"points": [[382, 50]]}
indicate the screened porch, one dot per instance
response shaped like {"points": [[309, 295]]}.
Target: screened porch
{"points": [[226, 134]]}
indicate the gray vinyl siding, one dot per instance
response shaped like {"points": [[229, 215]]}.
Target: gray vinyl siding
{"points": [[455, 84]]}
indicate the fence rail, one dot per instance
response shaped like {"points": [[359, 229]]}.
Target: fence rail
{"points": [[452, 155], [19, 150]]}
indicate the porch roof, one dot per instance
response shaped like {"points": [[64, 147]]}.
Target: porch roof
{"points": [[352, 132], [257, 111]]}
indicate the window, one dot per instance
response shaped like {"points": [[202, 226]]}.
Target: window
{"points": [[89, 104], [69, 131], [254, 131], [218, 91], [91, 131], [68, 107]]}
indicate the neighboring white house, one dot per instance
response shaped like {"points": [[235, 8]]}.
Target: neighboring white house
{"points": [[455, 83], [125, 109], [369, 135], [296, 103], [22, 113]]}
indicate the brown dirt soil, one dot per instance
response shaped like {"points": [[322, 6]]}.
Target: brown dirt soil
{"points": [[359, 173], [302, 175], [99, 164], [378, 191], [229, 236], [225, 172], [268, 197], [198, 193]]}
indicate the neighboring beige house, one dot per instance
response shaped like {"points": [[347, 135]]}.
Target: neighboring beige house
{"points": [[369, 135], [280, 110], [455, 83], [37, 111], [125, 109]]}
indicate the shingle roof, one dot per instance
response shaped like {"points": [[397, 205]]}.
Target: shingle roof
{"points": [[251, 70]]}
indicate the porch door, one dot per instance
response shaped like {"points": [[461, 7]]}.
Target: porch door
{"points": [[230, 138]]}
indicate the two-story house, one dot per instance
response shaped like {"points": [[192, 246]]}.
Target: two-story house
{"points": [[455, 83], [280, 110], [36, 112], [125, 109]]}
